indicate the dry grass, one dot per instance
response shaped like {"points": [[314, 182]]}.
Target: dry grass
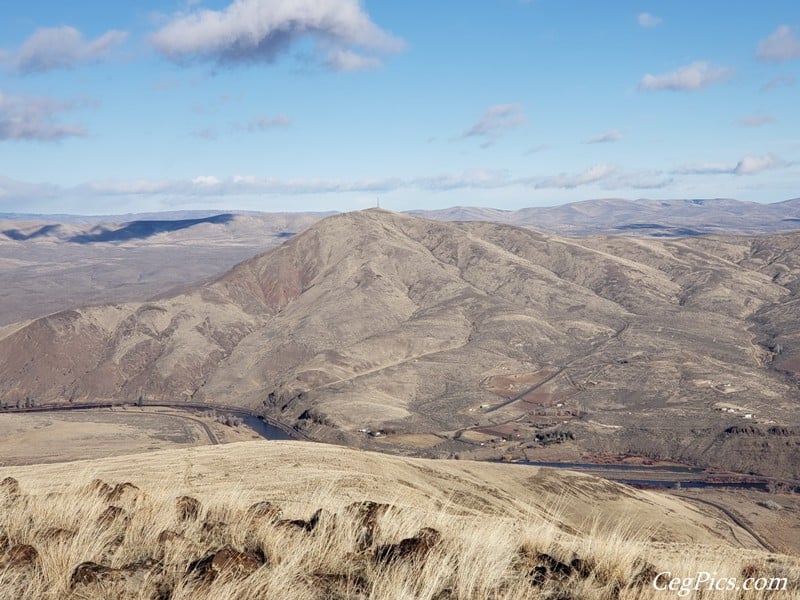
{"points": [[274, 556]]}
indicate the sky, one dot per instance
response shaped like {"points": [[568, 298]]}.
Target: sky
{"points": [[276, 105]]}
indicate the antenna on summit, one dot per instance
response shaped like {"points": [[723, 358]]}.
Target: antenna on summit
{"points": [[377, 202]]}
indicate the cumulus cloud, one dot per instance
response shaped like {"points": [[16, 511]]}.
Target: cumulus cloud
{"points": [[35, 118], [253, 31], [568, 181], [495, 122], [63, 47], [611, 136], [749, 165], [695, 76], [781, 45], [756, 120], [647, 20]]}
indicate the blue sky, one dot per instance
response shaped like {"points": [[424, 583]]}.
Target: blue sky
{"points": [[115, 107]]}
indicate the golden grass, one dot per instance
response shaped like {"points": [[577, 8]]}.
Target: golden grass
{"points": [[514, 547]]}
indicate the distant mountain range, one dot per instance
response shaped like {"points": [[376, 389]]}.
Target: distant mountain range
{"points": [[650, 218], [654, 218]]}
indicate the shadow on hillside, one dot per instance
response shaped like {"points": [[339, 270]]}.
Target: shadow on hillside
{"points": [[139, 230], [19, 236]]}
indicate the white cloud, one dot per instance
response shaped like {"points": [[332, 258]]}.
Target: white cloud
{"points": [[756, 120], [647, 20], [695, 76], [705, 168], [750, 165], [63, 47], [611, 136], [251, 31], [591, 175], [781, 45], [204, 180], [35, 118], [495, 122]]}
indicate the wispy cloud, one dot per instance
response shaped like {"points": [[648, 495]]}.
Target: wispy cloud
{"points": [[495, 122], [756, 120], [536, 149], [749, 165], [265, 123], [256, 125], [260, 31], [471, 178], [705, 168], [36, 118], [781, 45], [604, 138], [695, 76], [776, 82], [647, 20], [63, 47], [568, 181]]}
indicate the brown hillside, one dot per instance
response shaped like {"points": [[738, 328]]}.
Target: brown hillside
{"points": [[373, 320]]}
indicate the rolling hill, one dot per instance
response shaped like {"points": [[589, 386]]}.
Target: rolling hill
{"points": [[394, 332]]}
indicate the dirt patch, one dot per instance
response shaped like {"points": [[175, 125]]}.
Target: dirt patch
{"points": [[508, 386]]}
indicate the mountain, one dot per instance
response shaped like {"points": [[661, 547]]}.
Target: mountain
{"points": [[473, 338], [655, 218]]}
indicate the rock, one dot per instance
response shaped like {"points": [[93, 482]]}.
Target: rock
{"points": [[167, 536], [416, 547], [309, 525], [547, 567], [582, 566], [264, 510], [56, 534], [100, 487], [109, 515], [21, 556], [188, 508], [645, 576], [120, 490], [10, 486], [90, 573], [366, 516], [225, 561]]}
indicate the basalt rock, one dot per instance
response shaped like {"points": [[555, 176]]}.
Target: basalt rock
{"points": [[416, 547]]}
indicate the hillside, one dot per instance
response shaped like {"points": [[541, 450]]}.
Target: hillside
{"points": [[302, 520], [472, 338]]}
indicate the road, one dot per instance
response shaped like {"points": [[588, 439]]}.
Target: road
{"points": [[736, 519], [561, 369]]}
